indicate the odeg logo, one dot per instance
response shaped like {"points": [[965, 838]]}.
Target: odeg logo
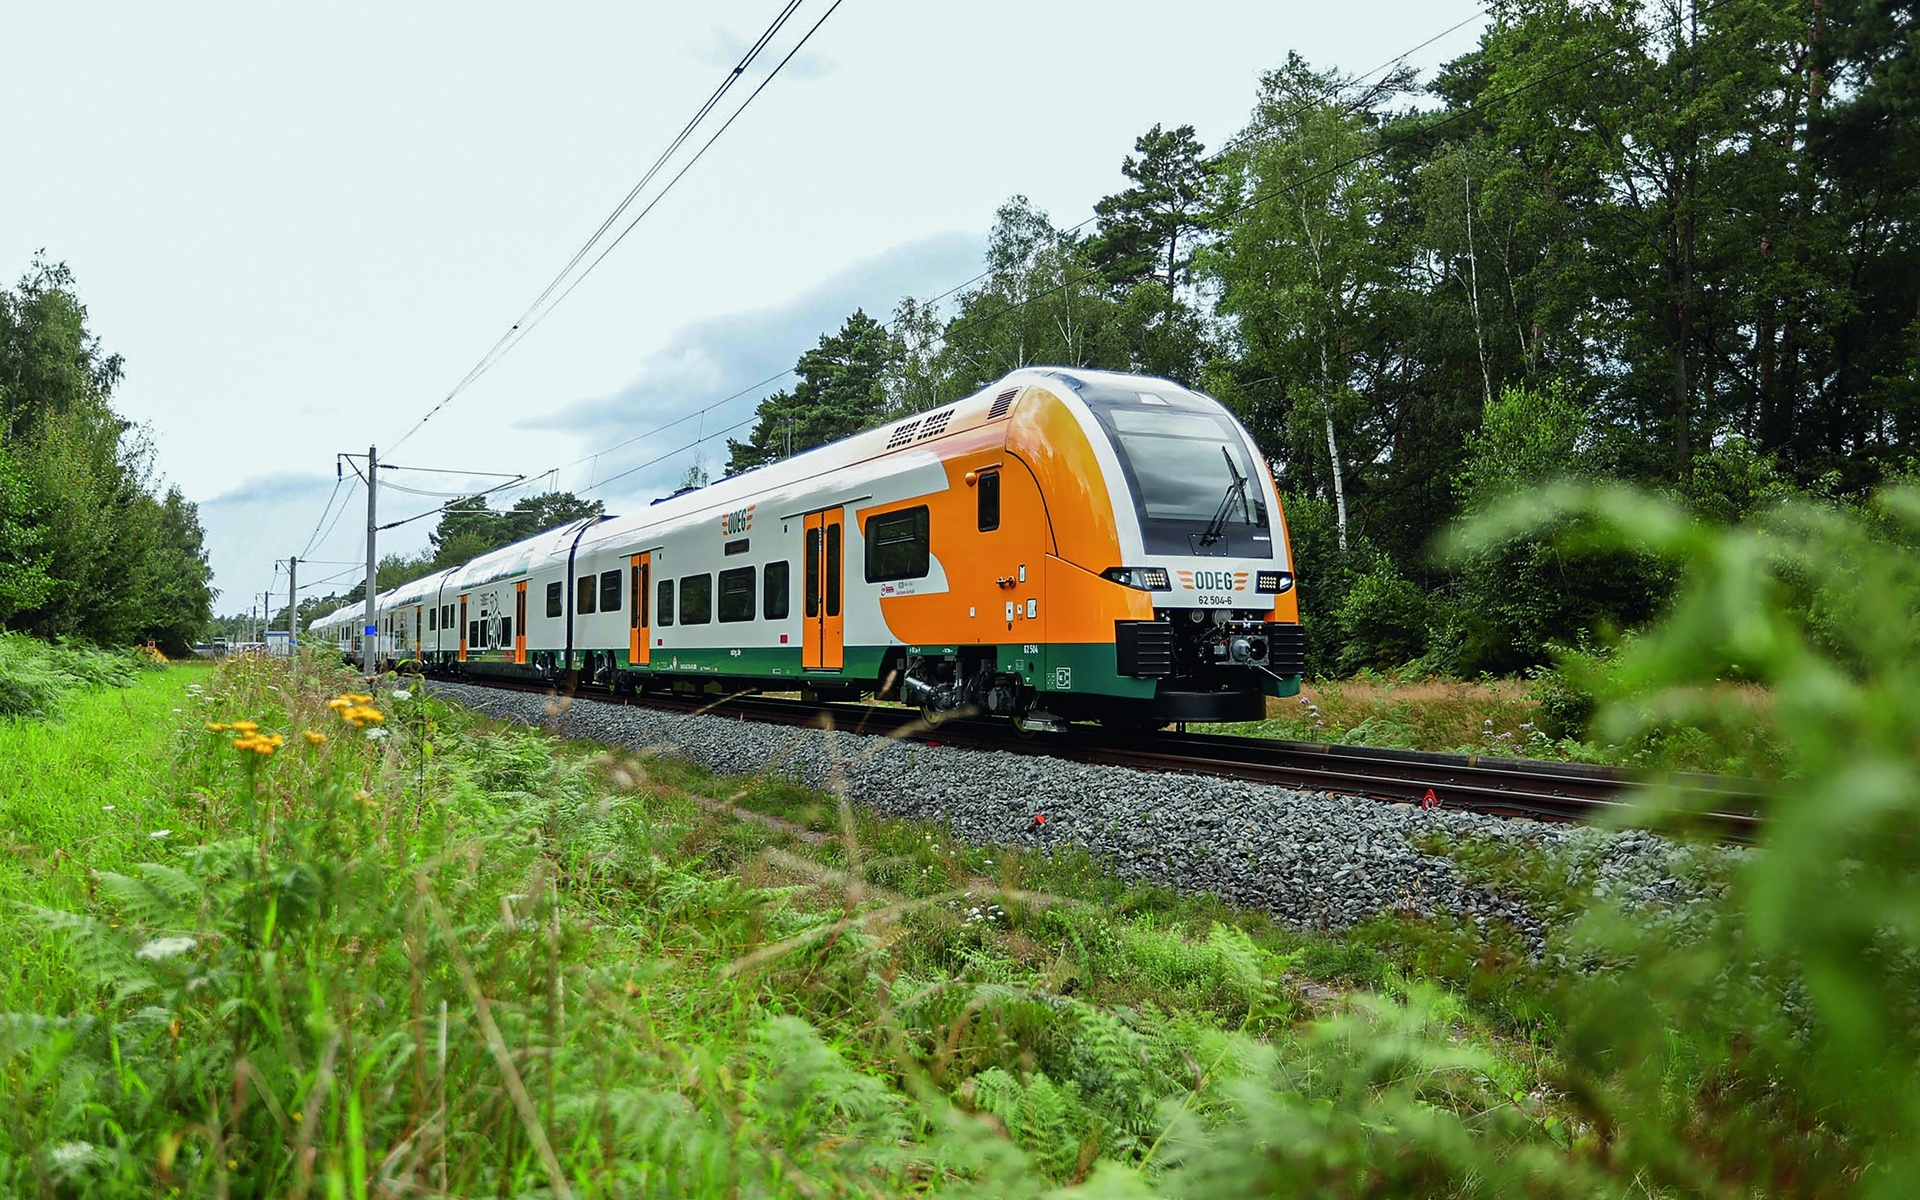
{"points": [[1213, 581]]}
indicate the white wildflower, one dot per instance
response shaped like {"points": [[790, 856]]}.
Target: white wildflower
{"points": [[402, 694], [376, 734], [158, 834], [68, 1154], [165, 947], [108, 807]]}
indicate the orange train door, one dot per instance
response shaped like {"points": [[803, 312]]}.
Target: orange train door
{"points": [[639, 631], [520, 622], [464, 629], [823, 636]]}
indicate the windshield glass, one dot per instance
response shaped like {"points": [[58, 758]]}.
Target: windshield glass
{"points": [[1177, 465]]}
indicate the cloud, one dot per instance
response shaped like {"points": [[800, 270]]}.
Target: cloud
{"points": [[709, 376], [267, 520], [689, 396], [723, 49]]}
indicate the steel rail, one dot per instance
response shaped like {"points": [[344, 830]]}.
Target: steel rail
{"points": [[1726, 808]]}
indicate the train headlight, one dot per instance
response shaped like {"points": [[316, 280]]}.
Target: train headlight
{"points": [[1145, 579], [1274, 582]]}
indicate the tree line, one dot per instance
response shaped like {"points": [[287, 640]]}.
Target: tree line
{"points": [[92, 546], [1672, 244]]}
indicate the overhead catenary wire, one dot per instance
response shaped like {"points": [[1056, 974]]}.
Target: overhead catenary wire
{"points": [[698, 155], [1384, 145], [443, 509], [338, 481], [702, 412], [527, 320], [889, 326]]}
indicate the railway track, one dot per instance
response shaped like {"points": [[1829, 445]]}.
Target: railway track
{"points": [[1728, 809]]}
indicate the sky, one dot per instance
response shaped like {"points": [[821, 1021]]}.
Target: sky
{"points": [[302, 227]]}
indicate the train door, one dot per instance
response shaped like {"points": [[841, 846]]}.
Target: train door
{"points": [[823, 636], [419, 631], [465, 629], [520, 622], [640, 632]]}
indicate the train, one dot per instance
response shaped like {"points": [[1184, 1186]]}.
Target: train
{"points": [[1063, 545]]}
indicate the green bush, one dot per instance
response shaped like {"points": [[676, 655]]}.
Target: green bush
{"points": [[1384, 620], [35, 677]]}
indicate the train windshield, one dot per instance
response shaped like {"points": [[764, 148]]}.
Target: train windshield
{"points": [[1192, 498]]}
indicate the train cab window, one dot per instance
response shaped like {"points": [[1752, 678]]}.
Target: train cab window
{"points": [[554, 598], [989, 500], [610, 590], [663, 603], [736, 594], [774, 600], [583, 595], [813, 572], [896, 546], [696, 599]]}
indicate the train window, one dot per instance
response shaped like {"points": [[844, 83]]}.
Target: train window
{"points": [[736, 594], [696, 599], [897, 545], [432, 614], [774, 605], [833, 569], [473, 635], [610, 591], [506, 631], [989, 499], [446, 616], [554, 598], [663, 605], [583, 594], [813, 572]]}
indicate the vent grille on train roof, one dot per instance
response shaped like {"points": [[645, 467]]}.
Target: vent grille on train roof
{"points": [[936, 424], [903, 433], [1003, 404]]}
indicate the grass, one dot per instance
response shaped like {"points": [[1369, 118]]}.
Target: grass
{"points": [[1517, 718], [431, 954], [1473, 717], [84, 795]]}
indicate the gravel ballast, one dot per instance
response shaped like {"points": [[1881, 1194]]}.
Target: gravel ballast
{"points": [[1313, 860]]}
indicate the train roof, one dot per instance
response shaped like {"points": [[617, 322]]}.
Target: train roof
{"points": [[521, 557]]}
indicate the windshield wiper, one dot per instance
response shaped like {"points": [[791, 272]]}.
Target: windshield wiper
{"points": [[1238, 488]]}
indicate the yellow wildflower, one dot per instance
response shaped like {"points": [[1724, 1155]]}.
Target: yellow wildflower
{"points": [[315, 737], [245, 726], [216, 727], [358, 715], [262, 744], [357, 697]]}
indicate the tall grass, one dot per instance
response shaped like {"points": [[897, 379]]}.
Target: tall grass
{"points": [[37, 678], [417, 955]]}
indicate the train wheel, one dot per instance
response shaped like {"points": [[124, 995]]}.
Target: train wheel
{"points": [[933, 716]]}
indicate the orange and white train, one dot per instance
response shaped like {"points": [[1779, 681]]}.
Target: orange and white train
{"points": [[1063, 545]]}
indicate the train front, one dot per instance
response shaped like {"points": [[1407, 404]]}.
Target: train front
{"points": [[1191, 581]]}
